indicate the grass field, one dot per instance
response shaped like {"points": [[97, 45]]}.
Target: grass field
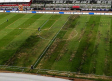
{"points": [[84, 44]]}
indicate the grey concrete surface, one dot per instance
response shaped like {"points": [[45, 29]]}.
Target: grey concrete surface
{"points": [[26, 77]]}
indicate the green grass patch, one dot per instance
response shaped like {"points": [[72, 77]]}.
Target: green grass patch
{"points": [[48, 24]]}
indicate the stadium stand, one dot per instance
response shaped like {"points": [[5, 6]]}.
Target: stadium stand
{"points": [[13, 3], [99, 5], [72, 1]]}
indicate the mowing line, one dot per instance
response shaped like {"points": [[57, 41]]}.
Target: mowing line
{"points": [[38, 19], [53, 24], [23, 28], [83, 32], [49, 45]]}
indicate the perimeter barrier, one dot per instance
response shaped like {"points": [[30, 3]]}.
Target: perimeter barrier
{"points": [[53, 12]]}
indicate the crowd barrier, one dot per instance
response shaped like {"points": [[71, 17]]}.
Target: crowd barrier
{"points": [[85, 13]]}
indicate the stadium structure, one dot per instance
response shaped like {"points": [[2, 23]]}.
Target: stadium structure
{"points": [[68, 4], [72, 1], [15, 2], [56, 4], [42, 37]]}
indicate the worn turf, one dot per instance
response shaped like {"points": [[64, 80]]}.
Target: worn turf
{"points": [[83, 45]]}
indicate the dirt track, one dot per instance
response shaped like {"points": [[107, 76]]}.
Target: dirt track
{"points": [[82, 80], [73, 79]]}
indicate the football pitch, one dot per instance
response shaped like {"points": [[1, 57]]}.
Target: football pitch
{"points": [[75, 43]]}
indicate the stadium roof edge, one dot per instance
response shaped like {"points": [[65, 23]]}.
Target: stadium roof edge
{"points": [[10, 1]]}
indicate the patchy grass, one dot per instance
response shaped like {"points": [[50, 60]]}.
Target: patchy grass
{"points": [[83, 45]]}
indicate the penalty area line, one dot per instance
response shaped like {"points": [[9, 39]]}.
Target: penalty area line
{"points": [[49, 45], [45, 22], [46, 29]]}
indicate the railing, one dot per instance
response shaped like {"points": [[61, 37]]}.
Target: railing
{"points": [[53, 72], [53, 12]]}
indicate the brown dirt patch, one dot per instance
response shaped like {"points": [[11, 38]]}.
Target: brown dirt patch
{"points": [[82, 80], [72, 34]]}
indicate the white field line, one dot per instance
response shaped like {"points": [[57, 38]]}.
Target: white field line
{"points": [[48, 29], [74, 36], [41, 27], [50, 44], [44, 23], [43, 38], [3, 22], [53, 24], [12, 23], [40, 31]]}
